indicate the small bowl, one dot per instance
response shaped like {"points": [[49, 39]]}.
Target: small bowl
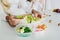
{"points": [[22, 34]]}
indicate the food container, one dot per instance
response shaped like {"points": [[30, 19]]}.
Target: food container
{"points": [[22, 33]]}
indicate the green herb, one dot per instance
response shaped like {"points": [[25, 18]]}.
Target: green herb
{"points": [[27, 30]]}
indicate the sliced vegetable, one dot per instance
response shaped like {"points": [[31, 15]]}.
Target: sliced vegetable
{"points": [[18, 30], [36, 19], [29, 18], [42, 27], [19, 17]]}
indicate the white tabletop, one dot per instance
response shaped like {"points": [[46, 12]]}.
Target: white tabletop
{"points": [[51, 33]]}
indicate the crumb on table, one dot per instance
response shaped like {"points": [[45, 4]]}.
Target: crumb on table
{"points": [[58, 24], [50, 21]]}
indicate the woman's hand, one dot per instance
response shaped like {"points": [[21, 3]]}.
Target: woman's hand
{"points": [[12, 21], [37, 14]]}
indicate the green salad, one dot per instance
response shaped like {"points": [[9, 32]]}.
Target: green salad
{"points": [[23, 29], [30, 18]]}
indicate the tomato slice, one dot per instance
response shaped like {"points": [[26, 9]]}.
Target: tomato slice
{"points": [[42, 27]]}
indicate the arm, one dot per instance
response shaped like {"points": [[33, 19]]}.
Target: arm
{"points": [[43, 4], [5, 6]]}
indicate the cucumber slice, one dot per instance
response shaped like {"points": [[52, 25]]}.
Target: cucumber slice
{"points": [[29, 18], [19, 17], [36, 19], [18, 30]]}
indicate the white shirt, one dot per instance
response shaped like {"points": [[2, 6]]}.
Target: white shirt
{"points": [[24, 7], [13, 1], [37, 6], [16, 11]]}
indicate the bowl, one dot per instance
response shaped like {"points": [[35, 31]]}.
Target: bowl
{"points": [[22, 32]]}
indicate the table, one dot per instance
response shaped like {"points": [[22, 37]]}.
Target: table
{"points": [[51, 33]]}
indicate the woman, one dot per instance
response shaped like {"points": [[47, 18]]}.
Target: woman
{"points": [[15, 8]]}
